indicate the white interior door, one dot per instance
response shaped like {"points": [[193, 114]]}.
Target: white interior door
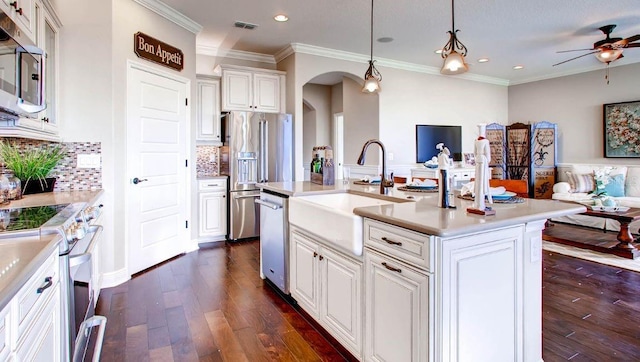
{"points": [[157, 117]]}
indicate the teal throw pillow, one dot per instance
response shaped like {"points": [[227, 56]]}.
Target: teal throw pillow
{"points": [[615, 187]]}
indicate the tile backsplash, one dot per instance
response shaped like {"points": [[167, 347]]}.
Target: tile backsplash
{"points": [[208, 160], [69, 176]]}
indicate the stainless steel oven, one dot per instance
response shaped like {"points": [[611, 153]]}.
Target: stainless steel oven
{"points": [[82, 330]]}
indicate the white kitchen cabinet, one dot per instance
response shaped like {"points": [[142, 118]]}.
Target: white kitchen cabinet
{"points": [[212, 216], [30, 324], [49, 27], [427, 303], [328, 285], [5, 323], [42, 341], [397, 310], [45, 35], [22, 12], [208, 108], [252, 89]]}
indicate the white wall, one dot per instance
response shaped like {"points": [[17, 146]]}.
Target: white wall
{"points": [[317, 125], [575, 104], [205, 64], [407, 98], [361, 122], [96, 42]]}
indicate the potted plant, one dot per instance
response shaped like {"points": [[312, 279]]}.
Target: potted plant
{"points": [[33, 166]]}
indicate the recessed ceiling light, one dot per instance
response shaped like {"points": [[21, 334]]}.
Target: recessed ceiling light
{"points": [[385, 39], [518, 67], [281, 18], [483, 60], [438, 51]]}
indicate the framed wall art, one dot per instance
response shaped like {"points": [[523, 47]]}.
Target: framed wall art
{"points": [[622, 129]]}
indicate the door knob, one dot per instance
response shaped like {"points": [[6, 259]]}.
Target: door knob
{"points": [[138, 180]]}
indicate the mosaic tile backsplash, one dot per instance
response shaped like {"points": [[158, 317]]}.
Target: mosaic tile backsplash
{"points": [[69, 177], [208, 159]]}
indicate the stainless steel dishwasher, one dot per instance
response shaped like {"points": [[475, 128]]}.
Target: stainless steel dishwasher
{"points": [[274, 238]]}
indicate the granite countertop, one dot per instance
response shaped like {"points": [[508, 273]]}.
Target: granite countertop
{"points": [[425, 216], [20, 258], [422, 213], [22, 253], [55, 198]]}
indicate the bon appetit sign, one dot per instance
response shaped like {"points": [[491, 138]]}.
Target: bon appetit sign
{"points": [[154, 50]]}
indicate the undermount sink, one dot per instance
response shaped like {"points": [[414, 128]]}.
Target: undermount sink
{"points": [[331, 217]]}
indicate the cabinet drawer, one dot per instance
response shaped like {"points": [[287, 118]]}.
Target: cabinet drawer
{"points": [[408, 246], [4, 335], [212, 185], [36, 291]]}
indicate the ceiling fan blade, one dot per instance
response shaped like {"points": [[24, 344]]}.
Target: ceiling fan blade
{"points": [[625, 42], [579, 56], [634, 45], [573, 50]]}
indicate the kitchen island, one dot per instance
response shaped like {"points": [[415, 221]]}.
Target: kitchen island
{"points": [[431, 284]]}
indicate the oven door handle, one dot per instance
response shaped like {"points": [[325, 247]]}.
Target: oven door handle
{"points": [[78, 259], [83, 338], [268, 204]]}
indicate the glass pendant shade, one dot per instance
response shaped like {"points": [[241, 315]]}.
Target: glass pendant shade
{"points": [[609, 55], [454, 51], [372, 77], [454, 64]]}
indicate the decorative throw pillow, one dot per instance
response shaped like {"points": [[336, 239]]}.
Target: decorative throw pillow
{"points": [[610, 180], [581, 182], [632, 182], [615, 186]]}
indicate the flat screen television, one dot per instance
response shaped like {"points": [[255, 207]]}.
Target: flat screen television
{"points": [[428, 136]]}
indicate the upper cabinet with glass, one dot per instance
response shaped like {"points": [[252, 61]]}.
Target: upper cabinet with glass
{"points": [[48, 41]]}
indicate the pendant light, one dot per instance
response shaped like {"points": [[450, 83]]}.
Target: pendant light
{"points": [[454, 51], [372, 77]]}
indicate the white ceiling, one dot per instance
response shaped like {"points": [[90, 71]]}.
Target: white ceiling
{"points": [[509, 32]]}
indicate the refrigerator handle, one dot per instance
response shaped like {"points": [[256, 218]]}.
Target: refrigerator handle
{"points": [[264, 155]]}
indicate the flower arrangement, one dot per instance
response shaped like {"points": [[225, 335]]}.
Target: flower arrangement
{"points": [[601, 176]]}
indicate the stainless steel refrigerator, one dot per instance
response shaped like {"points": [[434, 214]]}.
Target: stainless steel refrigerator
{"points": [[258, 148]]}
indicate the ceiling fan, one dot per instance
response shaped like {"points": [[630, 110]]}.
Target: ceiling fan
{"points": [[608, 49]]}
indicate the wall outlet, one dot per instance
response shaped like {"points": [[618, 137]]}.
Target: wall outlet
{"points": [[88, 160], [390, 156]]}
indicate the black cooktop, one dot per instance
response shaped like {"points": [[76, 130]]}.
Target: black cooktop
{"points": [[26, 218]]}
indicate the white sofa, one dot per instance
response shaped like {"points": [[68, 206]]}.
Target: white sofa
{"points": [[631, 198]]}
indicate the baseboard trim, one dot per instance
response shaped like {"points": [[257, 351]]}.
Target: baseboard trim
{"points": [[115, 278]]}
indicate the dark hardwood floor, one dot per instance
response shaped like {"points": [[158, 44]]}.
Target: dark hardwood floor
{"points": [[211, 305]]}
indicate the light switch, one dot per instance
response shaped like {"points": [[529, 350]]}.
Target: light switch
{"points": [[88, 160]]}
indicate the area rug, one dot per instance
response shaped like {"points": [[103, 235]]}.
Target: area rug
{"points": [[586, 254]]}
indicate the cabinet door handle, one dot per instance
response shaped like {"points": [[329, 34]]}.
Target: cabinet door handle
{"points": [[48, 281], [391, 241], [391, 268], [321, 257], [315, 254]]}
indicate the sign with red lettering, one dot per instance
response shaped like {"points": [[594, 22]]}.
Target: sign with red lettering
{"points": [[156, 51]]}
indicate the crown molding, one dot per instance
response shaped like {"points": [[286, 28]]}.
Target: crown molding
{"points": [[234, 54], [389, 63], [51, 11], [171, 14], [565, 74]]}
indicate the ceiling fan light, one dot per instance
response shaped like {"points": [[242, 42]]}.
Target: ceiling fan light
{"points": [[454, 64], [609, 55]]}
